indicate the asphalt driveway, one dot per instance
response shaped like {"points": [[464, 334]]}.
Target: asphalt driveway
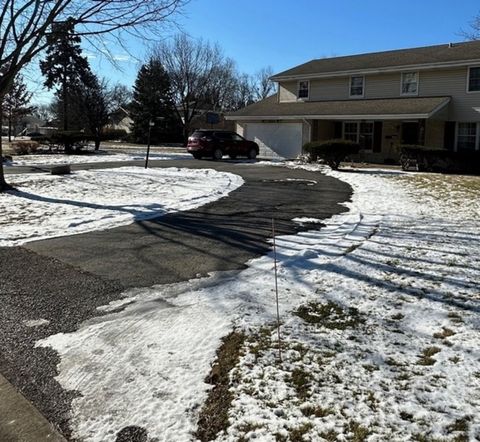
{"points": [[64, 280]]}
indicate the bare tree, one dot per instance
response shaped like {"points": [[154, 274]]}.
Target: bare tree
{"points": [[474, 32], [26, 25], [263, 86], [193, 67]]}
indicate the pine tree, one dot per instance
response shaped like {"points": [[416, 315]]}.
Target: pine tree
{"points": [[153, 101], [66, 68], [15, 104]]}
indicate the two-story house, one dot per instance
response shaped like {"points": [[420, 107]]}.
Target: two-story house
{"points": [[428, 96]]}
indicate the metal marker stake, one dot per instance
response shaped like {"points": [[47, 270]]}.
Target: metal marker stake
{"points": [[276, 290]]}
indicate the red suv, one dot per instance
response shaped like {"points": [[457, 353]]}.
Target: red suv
{"points": [[217, 143]]}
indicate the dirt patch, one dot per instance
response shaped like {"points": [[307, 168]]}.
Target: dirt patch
{"points": [[329, 315], [214, 414]]}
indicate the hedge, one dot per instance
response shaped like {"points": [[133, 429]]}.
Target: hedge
{"points": [[332, 152], [431, 159]]}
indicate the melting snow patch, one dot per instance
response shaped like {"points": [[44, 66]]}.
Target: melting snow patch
{"points": [[46, 206], [36, 322]]}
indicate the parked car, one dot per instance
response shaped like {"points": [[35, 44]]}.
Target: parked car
{"points": [[217, 143]]}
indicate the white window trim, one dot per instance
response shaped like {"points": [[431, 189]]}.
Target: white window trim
{"points": [[468, 80], [401, 84], [298, 90], [358, 131], [350, 87], [477, 135]]}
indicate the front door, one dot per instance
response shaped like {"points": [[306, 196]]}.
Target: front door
{"points": [[410, 133]]}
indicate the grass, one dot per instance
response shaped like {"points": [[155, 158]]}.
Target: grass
{"points": [[214, 413], [316, 411], [301, 382], [296, 434], [445, 333], [427, 356], [329, 315]]}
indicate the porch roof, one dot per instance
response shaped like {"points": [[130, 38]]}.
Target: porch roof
{"points": [[377, 109]]}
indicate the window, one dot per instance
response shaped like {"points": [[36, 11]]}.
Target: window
{"points": [[410, 83], [356, 86], [474, 79], [236, 137], [303, 87], [466, 136], [361, 133]]}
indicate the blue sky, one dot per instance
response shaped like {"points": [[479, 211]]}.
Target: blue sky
{"points": [[285, 33]]}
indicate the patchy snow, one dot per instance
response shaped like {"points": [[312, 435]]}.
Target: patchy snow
{"points": [[46, 206], [306, 220], [99, 157], [385, 344], [36, 322]]}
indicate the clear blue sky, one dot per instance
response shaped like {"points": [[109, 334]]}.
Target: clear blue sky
{"points": [[285, 33]]}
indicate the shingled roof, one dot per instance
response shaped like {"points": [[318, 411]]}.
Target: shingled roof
{"points": [[429, 55], [390, 108]]}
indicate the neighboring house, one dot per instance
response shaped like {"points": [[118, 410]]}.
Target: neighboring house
{"points": [[428, 96], [120, 120]]}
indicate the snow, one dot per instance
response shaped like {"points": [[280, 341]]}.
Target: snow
{"points": [[46, 206], [400, 268], [98, 157]]}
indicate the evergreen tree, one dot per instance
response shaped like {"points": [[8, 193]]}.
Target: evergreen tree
{"points": [[153, 101], [94, 98], [66, 68], [15, 104]]}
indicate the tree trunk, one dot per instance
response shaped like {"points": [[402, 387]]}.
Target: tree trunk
{"points": [[9, 128], [97, 142], [3, 184]]}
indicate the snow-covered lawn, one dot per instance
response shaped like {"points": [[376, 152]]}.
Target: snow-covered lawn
{"points": [[380, 316], [48, 159], [46, 206]]}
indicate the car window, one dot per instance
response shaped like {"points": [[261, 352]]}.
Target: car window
{"points": [[198, 134], [236, 137], [223, 135]]}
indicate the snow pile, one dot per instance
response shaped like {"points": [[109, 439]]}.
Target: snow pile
{"points": [[98, 157], [380, 313], [46, 206]]}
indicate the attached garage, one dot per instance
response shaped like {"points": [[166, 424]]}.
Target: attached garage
{"points": [[276, 139]]}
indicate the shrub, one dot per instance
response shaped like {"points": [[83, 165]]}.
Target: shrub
{"points": [[24, 147], [114, 134], [71, 140], [432, 159], [332, 152]]}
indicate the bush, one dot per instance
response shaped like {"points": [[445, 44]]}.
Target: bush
{"points": [[114, 134], [24, 147], [332, 152], [431, 159], [71, 140]]}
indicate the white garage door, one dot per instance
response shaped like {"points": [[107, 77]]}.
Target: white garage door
{"points": [[276, 139]]}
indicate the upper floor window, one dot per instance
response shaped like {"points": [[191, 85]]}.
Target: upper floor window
{"points": [[303, 89], [410, 83], [474, 79], [356, 86]]}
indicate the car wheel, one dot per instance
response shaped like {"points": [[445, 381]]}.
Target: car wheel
{"points": [[232, 156], [217, 154], [252, 154], [197, 156]]}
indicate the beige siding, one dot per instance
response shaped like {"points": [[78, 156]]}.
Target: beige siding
{"points": [[329, 89], [440, 82], [287, 91]]}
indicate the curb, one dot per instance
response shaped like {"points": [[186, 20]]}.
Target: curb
{"points": [[20, 421]]}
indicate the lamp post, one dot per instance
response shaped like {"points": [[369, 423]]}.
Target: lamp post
{"points": [[150, 125]]}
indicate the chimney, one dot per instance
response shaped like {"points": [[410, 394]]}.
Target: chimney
{"points": [[450, 45]]}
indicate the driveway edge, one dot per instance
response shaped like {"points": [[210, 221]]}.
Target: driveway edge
{"points": [[20, 420]]}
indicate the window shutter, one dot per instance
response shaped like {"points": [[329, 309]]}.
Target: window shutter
{"points": [[377, 136], [337, 132], [449, 135]]}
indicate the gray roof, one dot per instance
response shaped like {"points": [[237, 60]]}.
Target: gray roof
{"points": [[393, 108], [447, 53]]}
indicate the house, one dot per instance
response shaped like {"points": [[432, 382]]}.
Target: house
{"points": [[120, 120], [428, 96]]}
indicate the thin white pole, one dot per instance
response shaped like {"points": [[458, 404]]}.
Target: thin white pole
{"points": [[276, 290]]}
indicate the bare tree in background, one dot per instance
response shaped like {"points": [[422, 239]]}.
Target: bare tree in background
{"points": [[262, 85], [25, 26], [474, 32], [193, 67]]}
